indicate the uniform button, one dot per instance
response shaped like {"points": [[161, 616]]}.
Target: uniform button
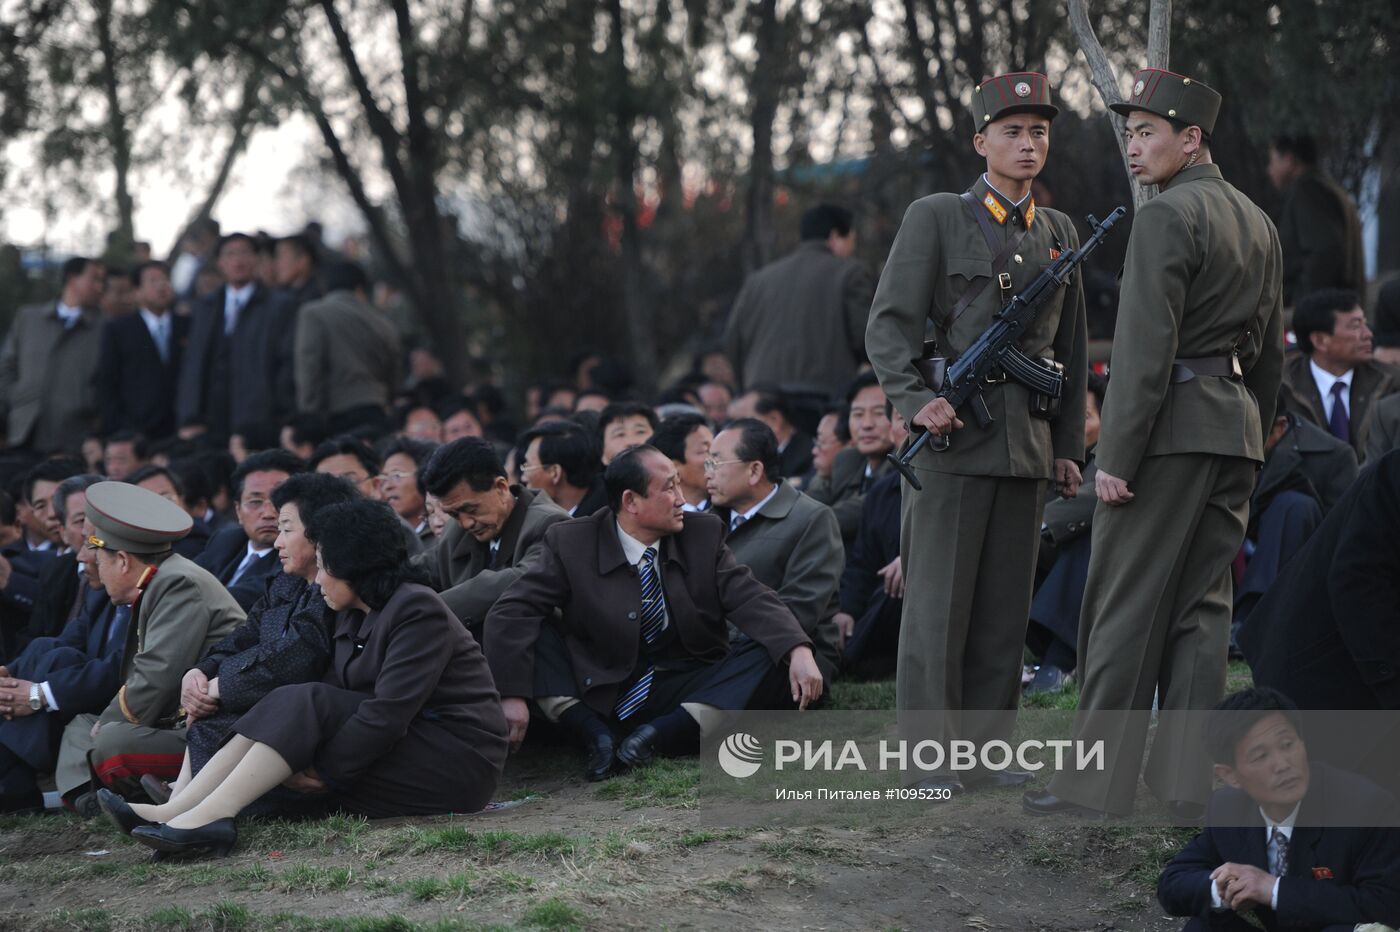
{"points": [[588, 681], [1019, 260], [631, 614]]}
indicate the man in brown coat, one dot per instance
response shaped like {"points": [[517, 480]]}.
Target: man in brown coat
{"points": [[620, 621], [497, 527], [1334, 382], [799, 322], [49, 362]]}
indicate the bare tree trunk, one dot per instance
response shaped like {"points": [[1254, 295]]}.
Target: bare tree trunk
{"points": [[640, 327], [757, 244], [117, 134], [1105, 78]]}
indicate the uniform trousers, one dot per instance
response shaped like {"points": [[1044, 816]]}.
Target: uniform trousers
{"points": [[120, 754], [969, 548], [1157, 621]]}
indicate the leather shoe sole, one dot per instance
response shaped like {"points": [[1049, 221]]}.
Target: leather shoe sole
{"points": [[118, 812], [1044, 803], [216, 837], [601, 760], [636, 749]]}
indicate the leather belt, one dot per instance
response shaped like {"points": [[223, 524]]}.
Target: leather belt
{"points": [[1187, 368]]}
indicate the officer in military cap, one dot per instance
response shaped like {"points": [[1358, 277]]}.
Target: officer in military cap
{"points": [[1197, 356], [179, 611], [969, 538]]}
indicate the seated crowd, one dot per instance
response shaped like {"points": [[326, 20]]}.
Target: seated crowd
{"points": [[312, 588]]}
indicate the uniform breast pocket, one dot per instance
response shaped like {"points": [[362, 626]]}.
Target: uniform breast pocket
{"points": [[964, 273]]}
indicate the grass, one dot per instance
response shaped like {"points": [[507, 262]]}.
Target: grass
{"points": [[669, 782], [553, 914], [847, 695], [323, 835]]}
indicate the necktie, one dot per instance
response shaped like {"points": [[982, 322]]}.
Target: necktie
{"points": [[1280, 843], [491, 553], [653, 619], [231, 312], [1340, 422], [116, 626], [736, 523], [163, 338], [248, 561]]}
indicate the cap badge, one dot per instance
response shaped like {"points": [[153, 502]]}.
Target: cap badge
{"points": [[1137, 88], [1023, 89]]}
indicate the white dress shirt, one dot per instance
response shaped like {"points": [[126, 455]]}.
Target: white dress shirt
{"points": [[69, 315], [235, 299], [1324, 380], [736, 519], [159, 327]]}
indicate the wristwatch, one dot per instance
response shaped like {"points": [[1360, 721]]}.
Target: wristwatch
{"points": [[36, 697]]}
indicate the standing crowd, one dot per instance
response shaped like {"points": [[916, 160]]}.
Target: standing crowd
{"points": [[257, 557]]}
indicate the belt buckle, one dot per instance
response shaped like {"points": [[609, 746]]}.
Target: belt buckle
{"points": [[1004, 281]]}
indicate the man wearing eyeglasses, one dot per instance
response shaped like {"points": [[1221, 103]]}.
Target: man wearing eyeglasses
{"points": [[178, 612]]}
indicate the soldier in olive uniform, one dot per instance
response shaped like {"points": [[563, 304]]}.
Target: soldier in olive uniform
{"points": [[1197, 358], [178, 612], [969, 538]]}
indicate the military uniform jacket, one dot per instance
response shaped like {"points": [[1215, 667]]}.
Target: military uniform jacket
{"points": [[181, 614], [938, 254], [1203, 266], [459, 565]]}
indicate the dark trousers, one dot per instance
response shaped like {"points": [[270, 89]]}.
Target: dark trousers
{"points": [[871, 649], [743, 677], [18, 783], [1054, 629], [1285, 525]]}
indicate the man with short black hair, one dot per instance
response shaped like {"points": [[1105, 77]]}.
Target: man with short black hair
{"points": [[619, 625], [296, 268], [124, 452], [789, 540], [42, 526], [855, 469], [237, 368], [165, 483], [57, 596], [496, 527], [794, 445], [686, 439], [47, 397], [399, 485], [1334, 382], [1318, 226], [139, 363], [241, 556], [561, 460], [348, 358], [799, 322]]}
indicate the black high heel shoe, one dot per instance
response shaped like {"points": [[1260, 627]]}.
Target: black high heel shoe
{"points": [[118, 812], [217, 838]]}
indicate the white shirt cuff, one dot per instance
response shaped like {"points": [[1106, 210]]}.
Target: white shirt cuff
{"points": [[1215, 902], [48, 696], [1273, 898]]}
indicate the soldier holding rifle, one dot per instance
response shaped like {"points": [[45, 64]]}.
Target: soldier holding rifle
{"points": [[969, 537]]}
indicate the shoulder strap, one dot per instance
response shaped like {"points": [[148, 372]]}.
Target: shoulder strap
{"points": [[999, 258]]}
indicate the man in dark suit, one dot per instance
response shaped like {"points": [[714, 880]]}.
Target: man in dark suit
{"points": [[1285, 844], [561, 460], [856, 468], [800, 321], [165, 483], [794, 446], [59, 593], [496, 527], [620, 621], [47, 397], [238, 368], [139, 362], [1334, 382], [686, 439], [1325, 630], [872, 585], [241, 556], [789, 541]]}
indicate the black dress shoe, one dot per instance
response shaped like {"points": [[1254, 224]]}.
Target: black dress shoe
{"points": [[86, 806], [1043, 802], [217, 837], [636, 749], [1185, 813], [950, 785], [156, 788], [997, 779], [601, 758], [118, 812]]}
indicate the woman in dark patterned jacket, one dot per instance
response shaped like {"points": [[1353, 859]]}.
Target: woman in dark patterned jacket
{"points": [[286, 639]]}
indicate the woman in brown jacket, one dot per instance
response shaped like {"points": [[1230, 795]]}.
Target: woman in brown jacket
{"points": [[407, 720]]}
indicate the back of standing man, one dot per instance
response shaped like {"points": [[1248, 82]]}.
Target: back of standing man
{"points": [[1197, 356], [799, 322]]}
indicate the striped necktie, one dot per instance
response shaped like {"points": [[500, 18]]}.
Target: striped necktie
{"points": [[653, 621]]}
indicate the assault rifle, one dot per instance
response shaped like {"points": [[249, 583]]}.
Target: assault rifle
{"points": [[996, 352]]}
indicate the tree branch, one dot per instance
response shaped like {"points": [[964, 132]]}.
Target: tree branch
{"points": [[1105, 80]]}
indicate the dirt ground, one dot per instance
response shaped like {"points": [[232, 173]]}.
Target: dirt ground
{"points": [[636, 852]]}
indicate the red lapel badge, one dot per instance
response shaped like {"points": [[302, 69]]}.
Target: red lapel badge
{"points": [[1322, 873], [1054, 254]]}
